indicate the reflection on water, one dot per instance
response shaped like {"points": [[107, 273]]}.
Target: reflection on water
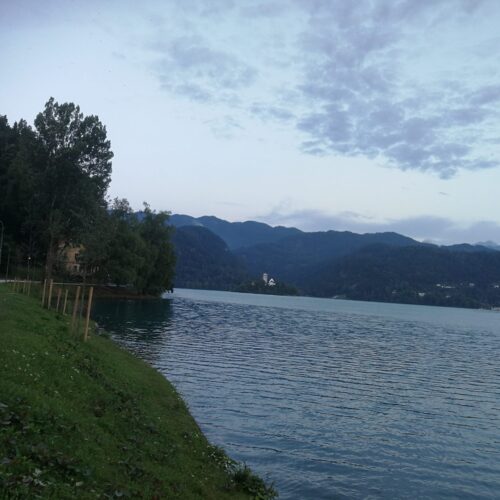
{"points": [[144, 323], [332, 398]]}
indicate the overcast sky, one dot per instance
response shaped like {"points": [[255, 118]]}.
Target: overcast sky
{"points": [[324, 114]]}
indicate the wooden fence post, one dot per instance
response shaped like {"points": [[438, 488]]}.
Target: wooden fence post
{"points": [[87, 319], [43, 291], [58, 299], [75, 307], [65, 301], [49, 298]]}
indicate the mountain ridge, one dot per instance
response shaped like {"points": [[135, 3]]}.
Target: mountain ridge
{"points": [[385, 266]]}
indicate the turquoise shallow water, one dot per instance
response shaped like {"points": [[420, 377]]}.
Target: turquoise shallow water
{"points": [[330, 398]]}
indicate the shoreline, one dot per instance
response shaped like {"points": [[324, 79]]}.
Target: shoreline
{"points": [[89, 419]]}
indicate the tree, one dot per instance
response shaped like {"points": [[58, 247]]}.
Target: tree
{"points": [[19, 154], [157, 271], [117, 249], [72, 178], [132, 249]]}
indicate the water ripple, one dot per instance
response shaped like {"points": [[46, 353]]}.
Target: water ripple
{"points": [[332, 399]]}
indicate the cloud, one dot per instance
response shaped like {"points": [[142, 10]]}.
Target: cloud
{"points": [[390, 80], [270, 112], [364, 106], [362, 102], [189, 67], [440, 230], [225, 127], [485, 95]]}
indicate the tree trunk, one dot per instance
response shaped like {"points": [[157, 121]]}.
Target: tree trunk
{"points": [[49, 261]]}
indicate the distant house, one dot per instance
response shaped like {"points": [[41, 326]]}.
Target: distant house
{"points": [[69, 258], [267, 280]]}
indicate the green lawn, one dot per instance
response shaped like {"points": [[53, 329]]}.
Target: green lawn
{"points": [[89, 420]]}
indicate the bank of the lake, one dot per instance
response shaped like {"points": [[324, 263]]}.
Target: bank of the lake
{"points": [[332, 398], [90, 420]]}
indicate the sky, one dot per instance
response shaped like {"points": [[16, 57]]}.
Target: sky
{"points": [[366, 115]]}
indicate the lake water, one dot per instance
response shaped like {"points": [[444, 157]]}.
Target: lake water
{"points": [[332, 398]]}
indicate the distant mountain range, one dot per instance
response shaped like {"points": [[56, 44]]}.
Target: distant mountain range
{"points": [[237, 234], [214, 253]]}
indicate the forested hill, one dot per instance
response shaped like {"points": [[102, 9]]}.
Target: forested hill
{"points": [[412, 274], [204, 260], [292, 257], [236, 234], [380, 266]]}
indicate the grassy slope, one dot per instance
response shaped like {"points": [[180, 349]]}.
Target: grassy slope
{"points": [[89, 420]]}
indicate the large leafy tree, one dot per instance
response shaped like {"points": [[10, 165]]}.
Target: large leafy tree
{"points": [[20, 153], [132, 249], [157, 271], [73, 175], [115, 248]]}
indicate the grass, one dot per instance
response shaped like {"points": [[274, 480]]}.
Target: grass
{"points": [[89, 420]]}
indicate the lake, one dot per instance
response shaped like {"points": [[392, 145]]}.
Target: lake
{"points": [[332, 398]]}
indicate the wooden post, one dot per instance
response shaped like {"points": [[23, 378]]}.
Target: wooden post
{"points": [[59, 291], [75, 307], [43, 292], [80, 309], [65, 301], [87, 319], [49, 298]]}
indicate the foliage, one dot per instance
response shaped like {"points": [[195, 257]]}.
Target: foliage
{"points": [[258, 286], [421, 275], [204, 260], [89, 420], [292, 258], [73, 176], [54, 178], [53, 183], [156, 272], [130, 250]]}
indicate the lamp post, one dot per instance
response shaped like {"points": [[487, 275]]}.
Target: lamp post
{"points": [[29, 261]]}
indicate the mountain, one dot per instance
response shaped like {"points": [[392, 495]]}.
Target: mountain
{"points": [[489, 244], [466, 247], [236, 234], [204, 260], [292, 258], [413, 274], [389, 267]]}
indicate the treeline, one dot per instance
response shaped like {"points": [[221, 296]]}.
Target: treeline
{"points": [[54, 178], [259, 286], [414, 274]]}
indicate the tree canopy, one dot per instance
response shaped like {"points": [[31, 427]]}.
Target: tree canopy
{"points": [[54, 179]]}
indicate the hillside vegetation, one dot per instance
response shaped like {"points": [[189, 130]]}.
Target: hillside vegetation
{"points": [[203, 260], [89, 420], [385, 267]]}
